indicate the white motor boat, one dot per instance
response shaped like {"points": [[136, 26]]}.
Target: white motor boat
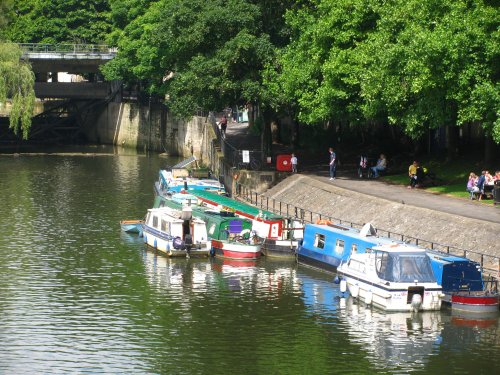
{"points": [[176, 232], [394, 277]]}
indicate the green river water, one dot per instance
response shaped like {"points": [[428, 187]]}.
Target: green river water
{"points": [[78, 296]]}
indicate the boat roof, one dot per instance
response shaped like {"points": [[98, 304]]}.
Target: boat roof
{"points": [[235, 205], [172, 214], [181, 197], [352, 232], [399, 248], [446, 258]]}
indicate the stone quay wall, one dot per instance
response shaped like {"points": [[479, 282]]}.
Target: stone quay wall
{"points": [[153, 128], [313, 195]]}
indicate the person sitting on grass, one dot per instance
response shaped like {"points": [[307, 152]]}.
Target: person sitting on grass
{"points": [[471, 185], [480, 184], [412, 173], [381, 165]]}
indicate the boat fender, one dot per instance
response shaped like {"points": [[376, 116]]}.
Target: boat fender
{"points": [[354, 290], [342, 303], [368, 297], [337, 280], [145, 239], [343, 286], [155, 244], [212, 251]]}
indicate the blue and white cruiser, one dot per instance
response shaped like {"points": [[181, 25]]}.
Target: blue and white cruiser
{"points": [[393, 277]]}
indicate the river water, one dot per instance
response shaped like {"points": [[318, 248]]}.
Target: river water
{"points": [[79, 296]]}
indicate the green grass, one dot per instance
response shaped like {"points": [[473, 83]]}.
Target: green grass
{"points": [[451, 177]]}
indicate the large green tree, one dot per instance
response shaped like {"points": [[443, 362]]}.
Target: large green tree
{"points": [[58, 21], [200, 53], [16, 80], [415, 64], [433, 63]]}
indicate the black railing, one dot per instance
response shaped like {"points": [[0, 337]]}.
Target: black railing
{"points": [[489, 263]]}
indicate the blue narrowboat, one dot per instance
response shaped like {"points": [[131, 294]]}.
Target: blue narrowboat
{"points": [[326, 245]]}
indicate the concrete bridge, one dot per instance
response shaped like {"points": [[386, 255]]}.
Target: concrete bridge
{"points": [[71, 58]]}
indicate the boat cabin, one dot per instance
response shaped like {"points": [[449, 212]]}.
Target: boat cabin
{"points": [[401, 264], [326, 245], [266, 224], [168, 223]]}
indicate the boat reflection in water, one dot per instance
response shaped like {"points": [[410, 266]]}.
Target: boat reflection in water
{"points": [[403, 340], [201, 275], [392, 340]]}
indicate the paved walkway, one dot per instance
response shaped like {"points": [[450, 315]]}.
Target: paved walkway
{"points": [[240, 137]]}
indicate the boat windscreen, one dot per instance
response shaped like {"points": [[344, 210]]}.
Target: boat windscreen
{"points": [[404, 268]]}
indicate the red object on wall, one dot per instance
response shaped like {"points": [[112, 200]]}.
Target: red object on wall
{"points": [[283, 163]]}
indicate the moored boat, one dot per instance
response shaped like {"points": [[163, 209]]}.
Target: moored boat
{"points": [[176, 232], [393, 277], [280, 235], [479, 302], [326, 245], [132, 226], [168, 181]]}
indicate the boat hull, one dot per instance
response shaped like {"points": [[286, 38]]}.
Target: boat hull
{"points": [[391, 299], [166, 246], [475, 302], [236, 250], [283, 249]]}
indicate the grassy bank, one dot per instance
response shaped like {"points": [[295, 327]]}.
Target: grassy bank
{"points": [[451, 177]]}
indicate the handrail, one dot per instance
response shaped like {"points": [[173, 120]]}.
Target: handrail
{"points": [[490, 263], [67, 48]]}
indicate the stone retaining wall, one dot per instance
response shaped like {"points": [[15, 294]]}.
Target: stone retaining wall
{"points": [[329, 200]]}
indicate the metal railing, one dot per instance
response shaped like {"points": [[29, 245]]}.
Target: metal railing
{"points": [[489, 263], [68, 48]]}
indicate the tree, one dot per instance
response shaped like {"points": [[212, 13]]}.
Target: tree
{"points": [[16, 79], [433, 63], [17, 83], [55, 21]]}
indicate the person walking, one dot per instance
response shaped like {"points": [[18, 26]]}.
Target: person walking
{"points": [[332, 164], [293, 161], [223, 126]]}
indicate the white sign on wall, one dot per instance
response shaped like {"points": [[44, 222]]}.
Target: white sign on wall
{"points": [[246, 156]]}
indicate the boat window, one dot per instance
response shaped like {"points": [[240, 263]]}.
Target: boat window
{"points": [[211, 230], [147, 217], [354, 248], [163, 226], [368, 250], [155, 221], [404, 268], [381, 259], [319, 241], [339, 247]]}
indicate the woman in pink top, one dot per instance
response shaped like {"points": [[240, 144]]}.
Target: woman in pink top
{"points": [[471, 185]]}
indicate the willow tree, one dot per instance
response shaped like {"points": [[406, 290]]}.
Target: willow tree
{"points": [[17, 85]]}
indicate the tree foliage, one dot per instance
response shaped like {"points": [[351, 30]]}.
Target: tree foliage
{"points": [[416, 64], [56, 21], [200, 53], [17, 83]]}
